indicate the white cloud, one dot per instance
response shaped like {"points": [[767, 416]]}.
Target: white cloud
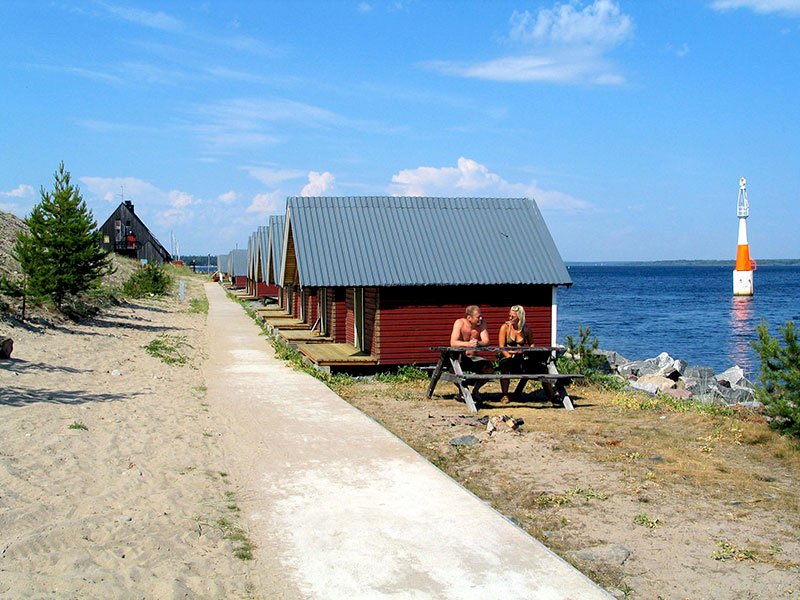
{"points": [[23, 190], [364, 7], [470, 178], [563, 44], [154, 20], [228, 197], [599, 24], [318, 184], [273, 177], [167, 207], [266, 204], [234, 123], [785, 7]]}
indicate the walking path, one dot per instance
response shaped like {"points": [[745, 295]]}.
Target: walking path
{"points": [[340, 508]]}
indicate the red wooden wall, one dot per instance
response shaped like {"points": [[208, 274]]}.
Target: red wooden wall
{"points": [[412, 319]]}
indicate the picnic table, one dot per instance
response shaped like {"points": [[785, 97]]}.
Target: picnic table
{"points": [[449, 369]]}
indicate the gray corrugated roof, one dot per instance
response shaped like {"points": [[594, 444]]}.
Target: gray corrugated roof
{"points": [[386, 241], [276, 224], [263, 250], [251, 255], [237, 262], [222, 263]]}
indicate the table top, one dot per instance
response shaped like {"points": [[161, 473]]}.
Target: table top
{"points": [[494, 348]]}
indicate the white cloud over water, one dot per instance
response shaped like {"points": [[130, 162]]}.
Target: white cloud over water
{"points": [[470, 178]]}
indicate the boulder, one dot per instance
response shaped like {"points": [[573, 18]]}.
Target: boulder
{"points": [[696, 372], [612, 555], [735, 394], [673, 370], [679, 393], [6, 347], [614, 360], [734, 379], [464, 440], [648, 388], [663, 383], [663, 363], [732, 376]]}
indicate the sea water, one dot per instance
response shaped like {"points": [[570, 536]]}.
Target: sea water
{"points": [[688, 311]]}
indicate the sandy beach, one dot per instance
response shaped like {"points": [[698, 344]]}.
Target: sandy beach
{"points": [[113, 479]]}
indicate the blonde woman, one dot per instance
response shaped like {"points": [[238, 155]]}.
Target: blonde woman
{"points": [[514, 332]]}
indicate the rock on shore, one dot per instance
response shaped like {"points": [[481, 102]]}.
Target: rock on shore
{"points": [[676, 378]]}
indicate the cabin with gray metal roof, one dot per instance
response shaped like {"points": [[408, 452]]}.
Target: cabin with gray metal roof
{"points": [[387, 276], [237, 268]]}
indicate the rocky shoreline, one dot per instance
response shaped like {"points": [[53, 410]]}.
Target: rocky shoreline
{"points": [[674, 377]]}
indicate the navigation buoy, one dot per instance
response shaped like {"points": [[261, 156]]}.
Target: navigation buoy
{"points": [[743, 273]]}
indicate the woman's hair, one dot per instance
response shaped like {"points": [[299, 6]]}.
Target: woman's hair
{"points": [[520, 312]]}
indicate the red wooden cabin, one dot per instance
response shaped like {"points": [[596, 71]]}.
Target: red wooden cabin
{"points": [[387, 276]]}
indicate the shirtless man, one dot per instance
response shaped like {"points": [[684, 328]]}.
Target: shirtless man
{"points": [[471, 331]]}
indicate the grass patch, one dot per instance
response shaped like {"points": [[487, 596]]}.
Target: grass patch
{"points": [[402, 374], [199, 305], [728, 551], [77, 425], [169, 349], [645, 521], [242, 545]]}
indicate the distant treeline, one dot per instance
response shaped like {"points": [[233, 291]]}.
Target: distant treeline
{"points": [[765, 262], [199, 259]]}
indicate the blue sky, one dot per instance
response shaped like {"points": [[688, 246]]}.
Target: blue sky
{"points": [[629, 122]]}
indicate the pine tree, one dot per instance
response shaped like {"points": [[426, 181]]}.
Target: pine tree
{"points": [[779, 391], [61, 253]]}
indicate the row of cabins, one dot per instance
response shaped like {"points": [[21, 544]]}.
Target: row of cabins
{"points": [[380, 280]]}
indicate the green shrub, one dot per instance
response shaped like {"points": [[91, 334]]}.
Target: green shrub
{"points": [[582, 358], [150, 280], [779, 386]]}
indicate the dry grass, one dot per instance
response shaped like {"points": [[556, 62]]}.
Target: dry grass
{"points": [[574, 479]]}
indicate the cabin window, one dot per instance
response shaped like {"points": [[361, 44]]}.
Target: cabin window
{"points": [[358, 318]]}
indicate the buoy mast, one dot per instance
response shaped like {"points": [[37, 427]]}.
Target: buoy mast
{"points": [[743, 273]]}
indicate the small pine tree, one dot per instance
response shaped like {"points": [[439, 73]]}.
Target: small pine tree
{"points": [[61, 253], [779, 389], [582, 351]]}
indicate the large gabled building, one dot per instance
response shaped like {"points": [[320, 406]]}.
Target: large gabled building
{"points": [[389, 275], [126, 234]]}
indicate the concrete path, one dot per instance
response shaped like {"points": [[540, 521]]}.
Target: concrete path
{"points": [[341, 508]]}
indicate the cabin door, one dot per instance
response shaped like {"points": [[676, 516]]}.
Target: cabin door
{"points": [[358, 318], [303, 298], [322, 309]]}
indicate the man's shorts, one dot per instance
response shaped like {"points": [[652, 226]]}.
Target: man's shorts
{"points": [[475, 364]]}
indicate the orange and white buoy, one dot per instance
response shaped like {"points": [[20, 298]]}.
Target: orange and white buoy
{"points": [[743, 273]]}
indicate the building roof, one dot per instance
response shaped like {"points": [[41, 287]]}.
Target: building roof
{"points": [[276, 226], [262, 237], [393, 241], [237, 263], [222, 263], [251, 256]]}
